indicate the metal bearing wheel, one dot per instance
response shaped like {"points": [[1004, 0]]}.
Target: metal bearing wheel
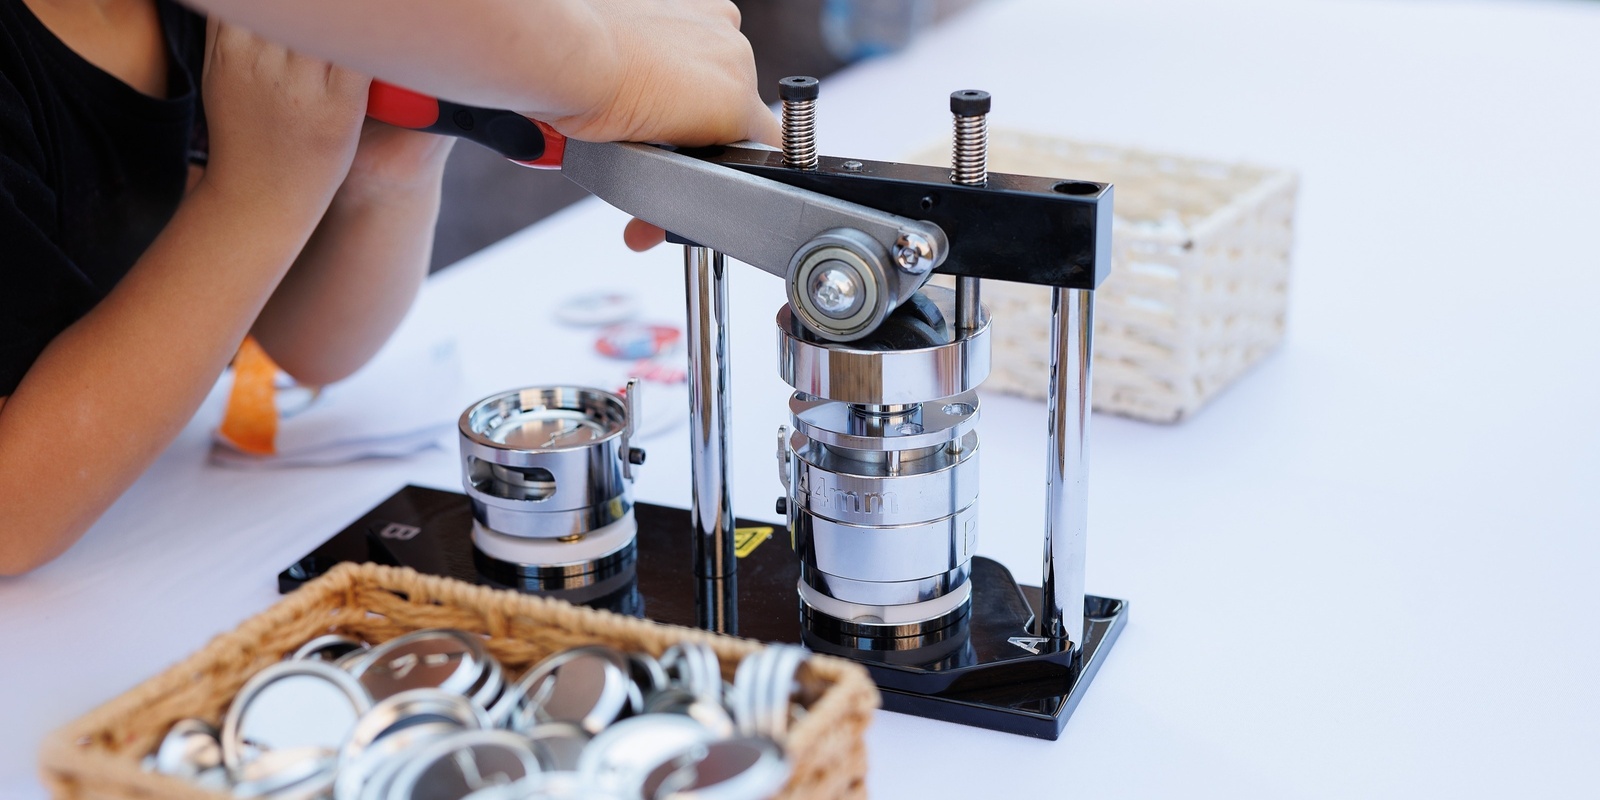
{"points": [[838, 286]]}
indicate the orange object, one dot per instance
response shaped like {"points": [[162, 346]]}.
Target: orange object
{"points": [[251, 422]]}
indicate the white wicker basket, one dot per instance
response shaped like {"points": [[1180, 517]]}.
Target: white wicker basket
{"points": [[1199, 279]]}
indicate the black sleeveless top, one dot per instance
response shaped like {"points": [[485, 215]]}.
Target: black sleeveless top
{"points": [[91, 170]]}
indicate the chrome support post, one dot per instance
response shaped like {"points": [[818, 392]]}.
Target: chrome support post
{"points": [[1067, 471], [968, 303], [705, 273]]}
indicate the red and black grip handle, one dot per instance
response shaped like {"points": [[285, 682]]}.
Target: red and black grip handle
{"points": [[523, 140]]}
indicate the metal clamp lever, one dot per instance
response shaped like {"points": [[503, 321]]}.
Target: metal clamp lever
{"points": [[755, 220], [847, 265]]}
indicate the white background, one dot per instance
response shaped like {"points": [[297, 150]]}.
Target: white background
{"points": [[1366, 570]]}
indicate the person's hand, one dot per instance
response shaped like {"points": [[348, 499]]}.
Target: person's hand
{"points": [[668, 71], [280, 124], [677, 72]]}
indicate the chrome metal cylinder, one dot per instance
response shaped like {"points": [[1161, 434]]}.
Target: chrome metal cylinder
{"points": [[880, 460], [1067, 468], [549, 473], [546, 462], [706, 283]]}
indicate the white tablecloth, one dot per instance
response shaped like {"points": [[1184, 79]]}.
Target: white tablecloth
{"points": [[1366, 570]]}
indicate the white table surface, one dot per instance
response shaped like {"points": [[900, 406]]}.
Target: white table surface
{"points": [[1366, 570]]}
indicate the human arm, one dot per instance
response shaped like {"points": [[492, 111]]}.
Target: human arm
{"points": [[108, 394], [366, 260], [674, 71]]}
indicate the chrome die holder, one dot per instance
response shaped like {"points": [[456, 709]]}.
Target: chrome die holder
{"points": [[549, 471], [881, 469]]}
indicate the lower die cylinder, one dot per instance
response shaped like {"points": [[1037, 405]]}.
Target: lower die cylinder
{"points": [[884, 513]]}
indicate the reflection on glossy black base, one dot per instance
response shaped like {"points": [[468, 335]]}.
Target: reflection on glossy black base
{"points": [[991, 673]]}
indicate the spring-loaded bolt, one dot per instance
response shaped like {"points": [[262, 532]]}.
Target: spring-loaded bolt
{"points": [[799, 96], [970, 157], [970, 167], [913, 253]]}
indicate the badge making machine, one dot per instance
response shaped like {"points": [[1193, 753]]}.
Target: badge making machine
{"points": [[879, 460]]}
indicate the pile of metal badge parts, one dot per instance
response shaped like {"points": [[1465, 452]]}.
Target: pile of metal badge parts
{"points": [[431, 715]]}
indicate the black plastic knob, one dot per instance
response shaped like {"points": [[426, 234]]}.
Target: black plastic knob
{"points": [[782, 506], [969, 103], [798, 87]]}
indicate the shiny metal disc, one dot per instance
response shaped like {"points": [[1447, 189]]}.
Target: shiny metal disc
{"points": [[426, 659], [587, 686], [291, 704], [456, 766]]}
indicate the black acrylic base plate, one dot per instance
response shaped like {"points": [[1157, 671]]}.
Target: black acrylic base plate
{"points": [[990, 672]]}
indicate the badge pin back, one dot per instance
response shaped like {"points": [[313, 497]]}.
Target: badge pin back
{"points": [[635, 341], [593, 309]]}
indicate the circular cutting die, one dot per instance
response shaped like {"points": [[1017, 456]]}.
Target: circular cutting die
{"points": [[869, 372]]}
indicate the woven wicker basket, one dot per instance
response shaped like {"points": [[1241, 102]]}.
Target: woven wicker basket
{"points": [[1199, 279], [98, 756]]}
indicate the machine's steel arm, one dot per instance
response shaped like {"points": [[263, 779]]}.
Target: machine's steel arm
{"points": [[756, 220]]}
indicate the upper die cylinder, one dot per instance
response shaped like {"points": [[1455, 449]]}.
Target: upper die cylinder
{"points": [[939, 364]]}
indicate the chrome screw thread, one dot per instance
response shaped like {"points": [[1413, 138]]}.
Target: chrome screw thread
{"points": [[969, 161], [799, 96]]}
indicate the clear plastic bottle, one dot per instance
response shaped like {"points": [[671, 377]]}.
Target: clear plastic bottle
{"points": [[857, 29]]}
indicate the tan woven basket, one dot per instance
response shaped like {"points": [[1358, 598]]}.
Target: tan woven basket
{"points": [[1199, 280], [98, 756]]}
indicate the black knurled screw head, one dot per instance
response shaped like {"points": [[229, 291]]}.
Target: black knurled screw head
{"points": [[969, 103], [798, 87]]}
